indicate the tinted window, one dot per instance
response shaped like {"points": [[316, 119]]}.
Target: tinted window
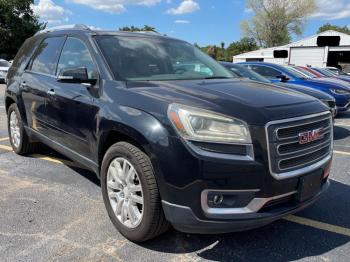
{"points": [[46, 56], [295, 73], [324, 72], [75, 54], [267, 72], [153, 58], [247, 73], [305, 72]]}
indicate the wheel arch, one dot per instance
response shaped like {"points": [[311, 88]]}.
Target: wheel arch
{"points": [[141, 130], [8, 102]]}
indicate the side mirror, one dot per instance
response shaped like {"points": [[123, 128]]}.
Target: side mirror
{"points": [[75, 75], [283, 78]]}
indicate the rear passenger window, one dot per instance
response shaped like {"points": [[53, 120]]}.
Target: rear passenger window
{"points": [[266, 71], [46, 56]]}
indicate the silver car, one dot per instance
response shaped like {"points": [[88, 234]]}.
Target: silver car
{"points": [[4, 67]]}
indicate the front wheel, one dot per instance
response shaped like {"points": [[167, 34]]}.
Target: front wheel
{"points": [[18, 138], [130, 193]]}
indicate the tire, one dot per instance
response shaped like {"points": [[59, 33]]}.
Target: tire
{"points": [[23, 146], [153, 222]]}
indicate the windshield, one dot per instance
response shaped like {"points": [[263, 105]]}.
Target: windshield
{"points": [[156, 59], [295, 73], [305, 72], [4, 63], [247, 73], [325, 72]]}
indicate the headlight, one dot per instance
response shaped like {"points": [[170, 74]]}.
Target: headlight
{"points": [[201, 125], [340, 91]]}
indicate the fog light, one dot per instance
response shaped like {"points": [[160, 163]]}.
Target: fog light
{"points": [[218, 199]]}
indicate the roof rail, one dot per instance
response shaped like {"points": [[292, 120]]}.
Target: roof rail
{"points": [[64, 27], [144, 32]]}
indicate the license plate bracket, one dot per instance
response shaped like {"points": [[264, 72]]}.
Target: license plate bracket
{"points": [[309, 186]]}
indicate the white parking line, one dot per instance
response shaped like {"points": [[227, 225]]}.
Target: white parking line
{"points": [[347, 125], [341, 152], [319, 225]]}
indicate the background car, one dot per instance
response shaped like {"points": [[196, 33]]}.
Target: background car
{"points": [[309, 74], [241, 71], [336, 71], [328, 73], [4, 67], [279, 73]]}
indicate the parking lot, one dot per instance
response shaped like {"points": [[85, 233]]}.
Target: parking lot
{"points": [[51, 209]]}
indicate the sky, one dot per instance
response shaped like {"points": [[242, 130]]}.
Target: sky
{"points": [[196, 21]]}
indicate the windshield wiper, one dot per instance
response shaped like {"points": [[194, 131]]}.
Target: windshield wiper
{"points": [[217, 77]]}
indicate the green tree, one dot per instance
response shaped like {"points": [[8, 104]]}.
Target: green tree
{"points": [[221, 53], [132, 28], [17, 23], [244, 45], [212, 51], [328, 26], [275, 21]]}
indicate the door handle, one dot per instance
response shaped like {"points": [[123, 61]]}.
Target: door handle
{"points": [[51, 92]]}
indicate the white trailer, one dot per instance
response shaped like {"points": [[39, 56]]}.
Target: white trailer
{"points": [[311, 51]]}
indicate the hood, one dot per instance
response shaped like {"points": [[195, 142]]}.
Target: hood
{"points": [[308, 91], [254, 102], [331, 83], [344, 78]]}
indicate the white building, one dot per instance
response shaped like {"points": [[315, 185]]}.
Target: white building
{"points": [[330, 48]]}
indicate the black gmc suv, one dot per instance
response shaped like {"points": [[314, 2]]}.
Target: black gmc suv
{"points": [[172, 135]]}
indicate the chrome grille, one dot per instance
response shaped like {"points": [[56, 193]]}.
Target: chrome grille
{"points": [[287, 156]]}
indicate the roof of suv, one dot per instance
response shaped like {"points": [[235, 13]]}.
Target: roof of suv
{"points": [[82, 29]]}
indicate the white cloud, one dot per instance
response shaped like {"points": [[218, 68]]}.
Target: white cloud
{"points": [[182, 22], [51, 13], [186, 6], [332, 9], [114, 6]]}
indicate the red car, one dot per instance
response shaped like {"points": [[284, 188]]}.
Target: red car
{"points": [[315, 73]]}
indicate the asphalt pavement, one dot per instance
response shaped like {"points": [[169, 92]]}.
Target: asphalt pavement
{"points": [[51, 209]]}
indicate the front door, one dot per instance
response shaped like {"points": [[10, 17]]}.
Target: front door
{"points": [[70, 107]]}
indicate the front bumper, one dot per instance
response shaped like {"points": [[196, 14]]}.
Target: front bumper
{"points": [[184, 219], [213, 193]]}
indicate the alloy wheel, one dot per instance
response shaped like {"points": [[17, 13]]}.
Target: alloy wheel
{"points": [[125, 192], [15, 133]]}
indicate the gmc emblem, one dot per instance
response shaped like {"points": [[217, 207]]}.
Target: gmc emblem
{"points": [[309, 136]]}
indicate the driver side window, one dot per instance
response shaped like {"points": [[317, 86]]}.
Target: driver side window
{"points": [[76, 54], [267, 72]]}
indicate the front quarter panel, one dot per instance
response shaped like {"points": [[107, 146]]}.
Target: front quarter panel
{"points": [[143, 128]]}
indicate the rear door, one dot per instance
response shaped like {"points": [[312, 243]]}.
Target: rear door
{"points": [[70, 107], [37, 80]]}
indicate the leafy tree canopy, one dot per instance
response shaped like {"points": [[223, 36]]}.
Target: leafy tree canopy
{"points": [[137, 29], [328, 26], [17, 23], [274, 21], [225, 54]]}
